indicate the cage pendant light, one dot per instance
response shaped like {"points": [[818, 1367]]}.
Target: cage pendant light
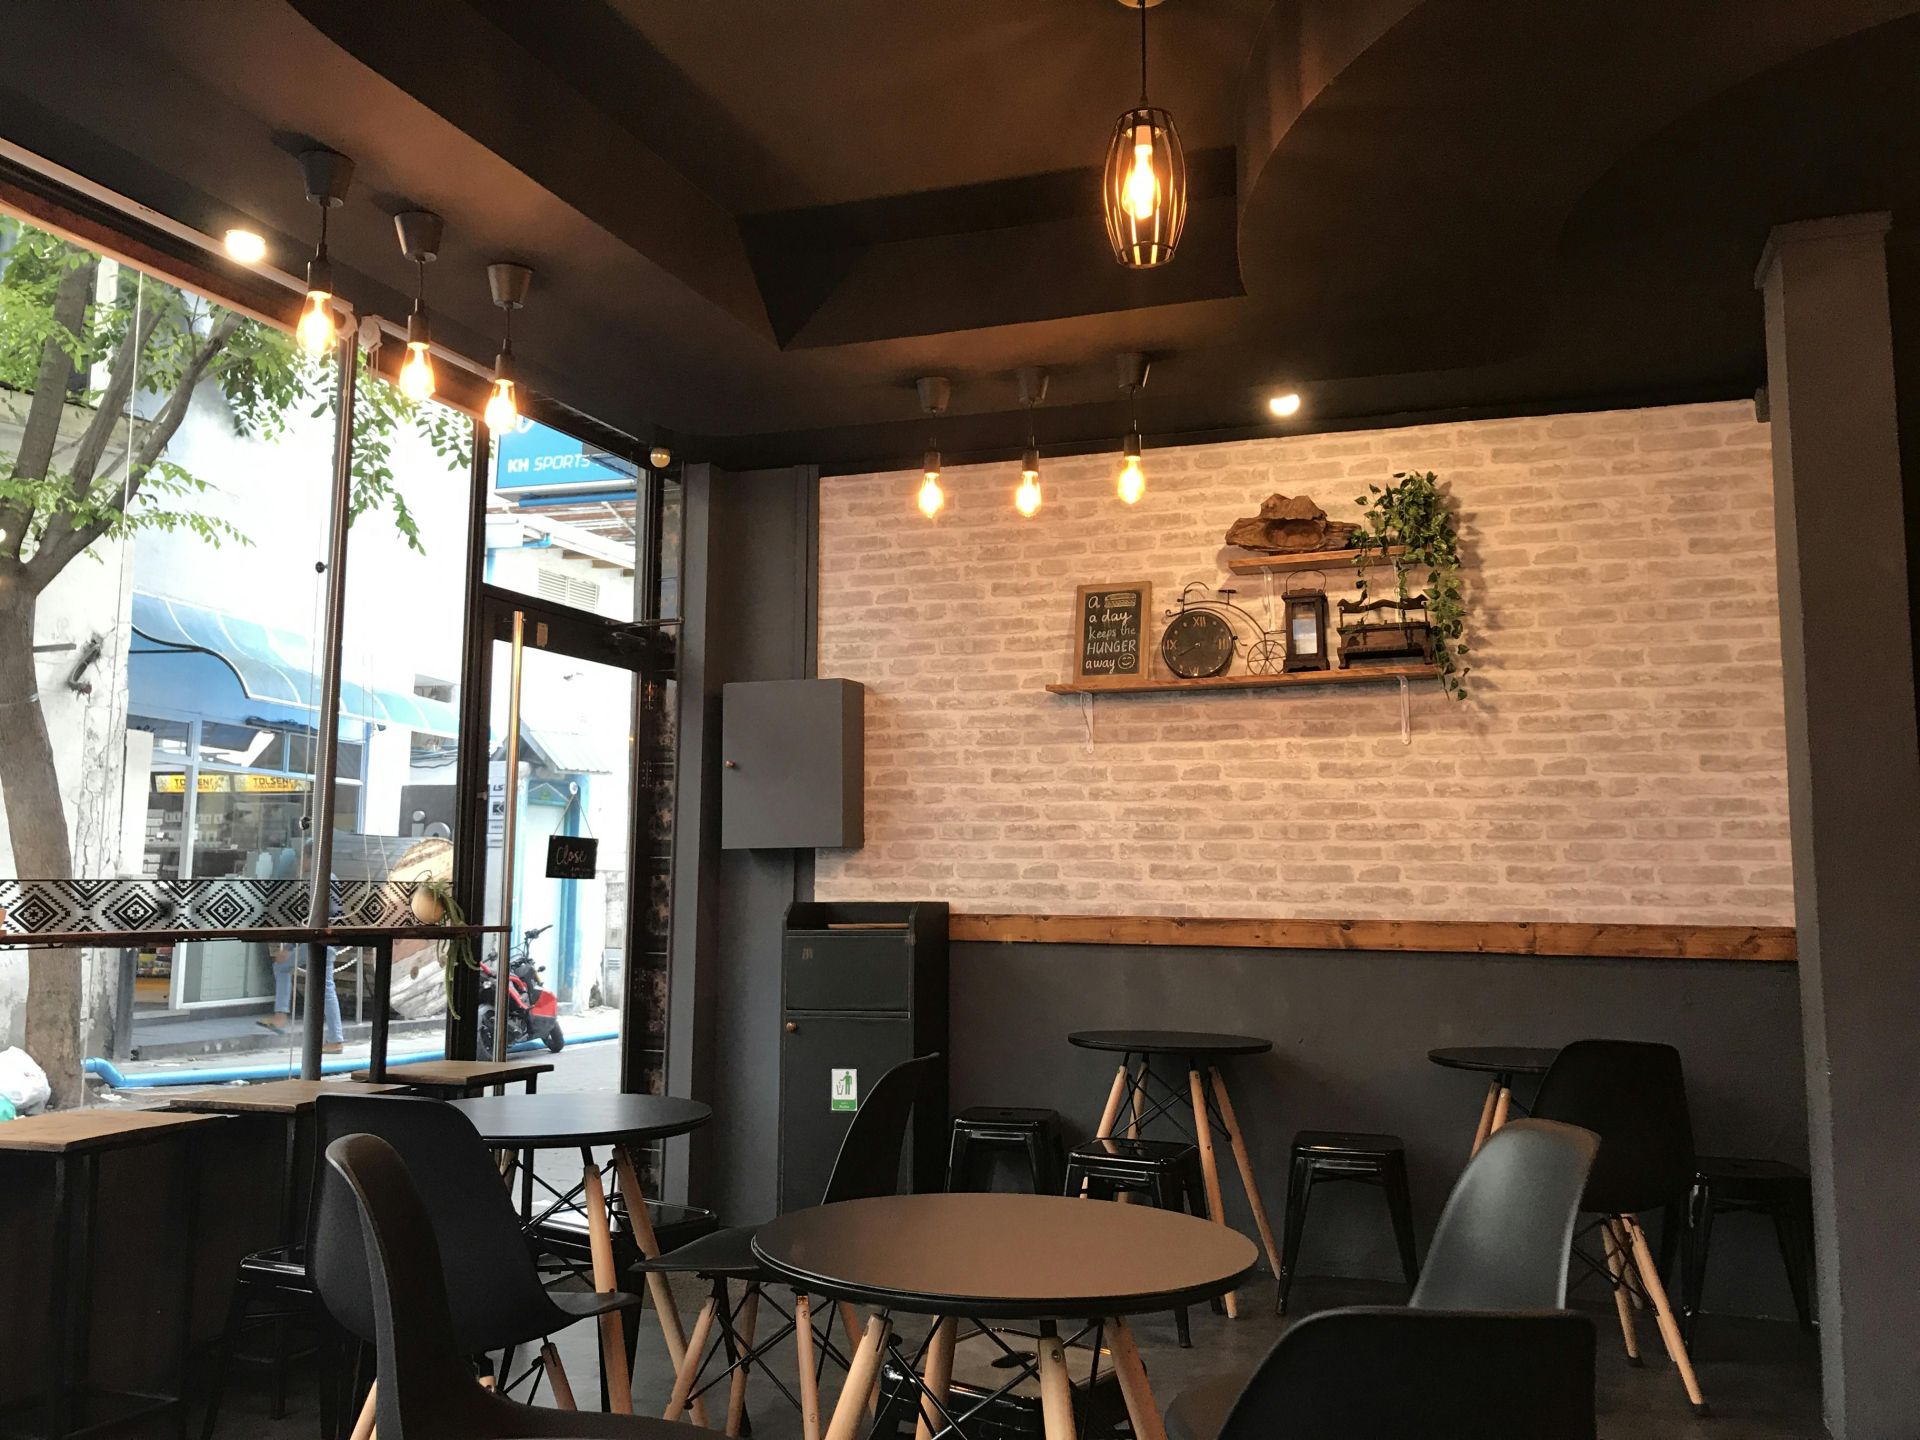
{"points": [[1144, 185]]}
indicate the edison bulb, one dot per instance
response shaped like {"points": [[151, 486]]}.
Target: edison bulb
{"points": [[315, 330], [416, 376], [1133, 481], [1142, 192], [1027, 498], [1285, 404], [931, 496], [501, 413]]}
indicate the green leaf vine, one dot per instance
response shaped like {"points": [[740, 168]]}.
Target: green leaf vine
{"points": [[1414, 512]]}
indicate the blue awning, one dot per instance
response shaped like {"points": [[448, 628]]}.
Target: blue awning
{"points": [[276, 667]]}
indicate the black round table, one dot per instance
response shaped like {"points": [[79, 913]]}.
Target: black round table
{"points": [[1502, 1062], [1199, 1053], [1003, 1257], [524, 1123]]}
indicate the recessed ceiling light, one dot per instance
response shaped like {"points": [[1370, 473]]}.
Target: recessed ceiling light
{"points": [[1286, 404], [245, 246]]}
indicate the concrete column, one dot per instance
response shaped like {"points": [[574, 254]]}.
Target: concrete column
{"points": [[1853, 774]]}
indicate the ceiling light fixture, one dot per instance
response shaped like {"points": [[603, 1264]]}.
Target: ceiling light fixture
{"points": [[1132, 481], [1284, 404], [1026, 496], [328, 174], [509, 284], [934, 394], [1144, 184], [246, 246], [659, 457], [420, 233]]}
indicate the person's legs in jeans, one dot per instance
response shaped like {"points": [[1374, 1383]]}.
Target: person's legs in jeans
{"points": [[335, 1035], [282, 990]]}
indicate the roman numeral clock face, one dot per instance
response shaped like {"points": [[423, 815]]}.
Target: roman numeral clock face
{"points": [[1197, 643]]}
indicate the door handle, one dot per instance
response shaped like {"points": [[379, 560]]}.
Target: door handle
{"points": [[793, 1027]]}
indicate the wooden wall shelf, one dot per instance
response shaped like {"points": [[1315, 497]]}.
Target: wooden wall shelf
{"points": [[1358, 675], [1307, 560], [1767, 943]]}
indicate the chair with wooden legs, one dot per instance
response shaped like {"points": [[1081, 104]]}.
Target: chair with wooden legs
{"points": [[1632, 1095], [868, 1165], [494, 1291], [378, 1263]]}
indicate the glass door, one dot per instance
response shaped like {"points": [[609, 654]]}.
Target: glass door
{"points": [[576, 848]]}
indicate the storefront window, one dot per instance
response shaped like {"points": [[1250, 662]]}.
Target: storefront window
{"points": [[172, 650]]}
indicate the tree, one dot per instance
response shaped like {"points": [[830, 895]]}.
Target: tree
{"points": [[148, 348]]}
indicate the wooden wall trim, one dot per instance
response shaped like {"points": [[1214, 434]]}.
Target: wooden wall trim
{"points": [[1483, 937]]}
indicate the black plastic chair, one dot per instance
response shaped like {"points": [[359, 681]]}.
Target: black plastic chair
{"points": [[377, 1257], [1506, 1237], [868, 1165], [1633, 1095], [1389, 1373], [493, 1288]]}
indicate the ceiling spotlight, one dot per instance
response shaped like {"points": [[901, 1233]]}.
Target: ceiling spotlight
{"points": [[1285, 404], [420, 233], [1026, 496], [328, 175], [659, 457], [509, 284], [1144, 184], [1132, 480], [934, 394], [245, 246]]}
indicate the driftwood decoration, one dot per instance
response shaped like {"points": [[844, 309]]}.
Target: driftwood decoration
{"points": [[1288, 524]]}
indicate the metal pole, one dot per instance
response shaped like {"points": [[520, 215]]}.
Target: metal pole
{"points": [[319, 888], [508, 826]]}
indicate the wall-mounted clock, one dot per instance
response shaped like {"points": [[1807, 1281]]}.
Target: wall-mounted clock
{"points": [[1196, 644]]}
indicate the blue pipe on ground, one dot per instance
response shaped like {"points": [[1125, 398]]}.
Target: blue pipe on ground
{"points": [[288, 1069]]}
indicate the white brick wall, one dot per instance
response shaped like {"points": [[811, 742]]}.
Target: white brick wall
{"points": [[1620, 758]]}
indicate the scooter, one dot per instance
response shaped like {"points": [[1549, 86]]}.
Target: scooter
{"points": [[532, 1010]]}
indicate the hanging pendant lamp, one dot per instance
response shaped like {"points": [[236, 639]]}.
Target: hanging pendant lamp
{"points": [[934, 393], [1131, 483], [509, 284], [328, 175], [420, 235], [1144, 185], [1026, 495]]}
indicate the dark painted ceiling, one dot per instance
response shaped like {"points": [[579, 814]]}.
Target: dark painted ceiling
{"points": [[753, 224]]}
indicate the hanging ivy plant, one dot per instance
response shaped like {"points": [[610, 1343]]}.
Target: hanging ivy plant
{"points": [[1414, 513]]}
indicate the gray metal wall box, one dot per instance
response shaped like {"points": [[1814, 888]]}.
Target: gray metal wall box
{"points": [[793, 765]]}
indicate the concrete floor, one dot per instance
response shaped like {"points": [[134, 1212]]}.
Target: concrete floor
{"points": [[1761, 1377]]}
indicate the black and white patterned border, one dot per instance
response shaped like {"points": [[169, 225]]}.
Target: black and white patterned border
{"points": [[45, 907]]}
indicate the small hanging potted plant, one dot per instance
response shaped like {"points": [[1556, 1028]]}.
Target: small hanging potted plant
{"points": [[1413, 512], [434, 903]]}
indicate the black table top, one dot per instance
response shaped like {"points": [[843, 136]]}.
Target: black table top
{"points": [[535, 1122], [1169, 1042], [1004, 1257], [1495, 1059]]}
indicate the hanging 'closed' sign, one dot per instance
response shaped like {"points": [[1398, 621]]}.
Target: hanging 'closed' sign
{"points": [[572, 857]]}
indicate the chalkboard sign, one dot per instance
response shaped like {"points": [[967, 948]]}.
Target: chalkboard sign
{"points": [[572, 857], [1109, 630]]}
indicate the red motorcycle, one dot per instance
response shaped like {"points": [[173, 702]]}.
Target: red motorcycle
{"points": [[532, 1010]]}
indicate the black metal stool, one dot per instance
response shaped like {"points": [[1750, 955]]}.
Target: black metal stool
{"points": [[1324, 1155], [983, 1130], [1167, 1172], [1724, 1185]]}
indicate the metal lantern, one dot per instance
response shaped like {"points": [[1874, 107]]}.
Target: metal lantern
{"points": [[1144, 185], [1306, 629], [1145, 188]]}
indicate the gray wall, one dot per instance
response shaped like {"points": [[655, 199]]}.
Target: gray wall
{"points": [[1351, 1031], [748, 575]]}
